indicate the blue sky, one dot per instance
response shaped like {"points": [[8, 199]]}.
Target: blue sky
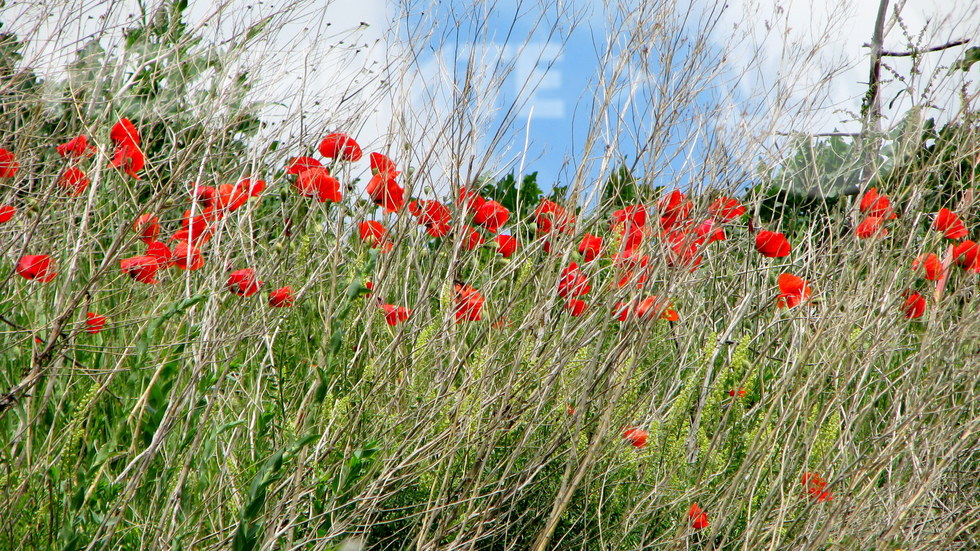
{"points": [[769, 47], [789, 67]]}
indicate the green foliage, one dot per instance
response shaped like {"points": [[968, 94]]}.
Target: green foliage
{"points": [[811, 182], [150, 335], [520, 198], [189, 419], [971, 56], [249, 531], [620, 189], [943, 166]]}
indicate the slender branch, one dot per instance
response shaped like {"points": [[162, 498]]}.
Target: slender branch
{"points": [[872, 101], [822, 134], [946, 46]]}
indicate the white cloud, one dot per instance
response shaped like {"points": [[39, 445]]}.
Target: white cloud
{"points": [[804, 67]]}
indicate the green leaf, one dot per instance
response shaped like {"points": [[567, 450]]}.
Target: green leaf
{"points": [[248, 531], [257, 28], [151, 329], [971, 56]]}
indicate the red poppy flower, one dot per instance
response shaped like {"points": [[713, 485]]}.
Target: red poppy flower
{"points": [[36, 266], [160, 251], [141, 268], [384, 191], [148, 227], [576, 306], [207, 196], [591, 247], [710, 231], [471, 238], [318, 181], [429, 211], [874, 204], [632, 276], [375, 235], [506, 244], [124, 132], [187, 256], [196, 239], [740, 393], [633, 215], [129, 158], [630, 260], [470, 199], [252, 186], [243, 282], [369, 285], [573, 282], [652, 306], [621, 311], [550, 216], [815, 487], [395, 314], [684, 250], [491, 215], [196, 228], [772, 244], [7, 212], [674, 203], [871, 226], [381, 164], [78, 147], [340, 147], [967, 255], [634, 269], [433, 215], [469, 303], [94, 323], [231, 197], [950, 224], [282, 297], [307, 180], [636, 436], [8, 164], [438, 230], [372, 231], [73, 180], [684, 256], [298, 165], [914, 305], [697, 517], [793, 291], [726, 209], [931, 264], [632, 238], [674, 208]]}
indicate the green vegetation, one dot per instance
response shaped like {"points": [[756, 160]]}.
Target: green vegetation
{"points": [[202, 415]]}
